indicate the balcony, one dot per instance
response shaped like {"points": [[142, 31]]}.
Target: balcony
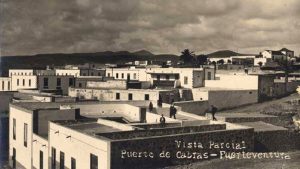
{"points": [[164, 83]]}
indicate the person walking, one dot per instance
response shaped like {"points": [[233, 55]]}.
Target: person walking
{"points": [[173, 111], [213, 112]]}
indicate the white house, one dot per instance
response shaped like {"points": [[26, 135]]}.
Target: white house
{"points": [[278, 55], [5, 84], [183, 77], [68, 72], [23, 82], [131, 73], [21, 72]]}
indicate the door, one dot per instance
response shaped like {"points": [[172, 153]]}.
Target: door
{"points": [[143, 115], [14, 158], [41, 160]]}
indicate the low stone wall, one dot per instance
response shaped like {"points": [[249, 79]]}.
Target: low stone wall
{"points": [[110, 84], [5, 98], [162, 131], [270, 119], [148, 126], [177, 154], [225, 99]]}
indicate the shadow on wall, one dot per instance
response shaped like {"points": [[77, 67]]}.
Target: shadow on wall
{"points": [[3, 140], [194, 107]]}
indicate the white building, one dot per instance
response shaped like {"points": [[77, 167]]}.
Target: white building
{"points": [[130, 73], [28, 144], [21, 72], [230, 58], [141, 62], [262, 61], [278, 55], [23, 82], [49, 135], [180, 77], [67, 72], [5, 84]]}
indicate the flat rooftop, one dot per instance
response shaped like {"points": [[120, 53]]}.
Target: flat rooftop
{"points": [[161, 132], [205, 89], [130, 89], [90, 127], [262, 126], [56, 105], [94, 129]]}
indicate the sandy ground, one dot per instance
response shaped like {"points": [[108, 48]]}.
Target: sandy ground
{"points": [[276, 105]]}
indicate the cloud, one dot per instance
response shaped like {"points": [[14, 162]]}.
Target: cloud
{"points": [[161, 26]]}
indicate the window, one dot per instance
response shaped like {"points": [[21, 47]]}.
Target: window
{"points": [[122, 75], [167, 77], [8, 85], [93, 161], [185, 80], [128, 76], [18, 82], [146, 96], [73, 163], [71, 82], [62, 160], [80, 85], [158, 77], [25, 134], [53, 158], [117, 75], [129, 96], [108, 74], [14, 129], [176, 76], [134, 76], [41, 160], [58, 82], [117, 96], [23, 82], [92, 73], [29, 82], [2, 85], [99, 74], [46, 83]]}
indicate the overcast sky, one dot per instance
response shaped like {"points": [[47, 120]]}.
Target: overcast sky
{"points": [[160, 26]]}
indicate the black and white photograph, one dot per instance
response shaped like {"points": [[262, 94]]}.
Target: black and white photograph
{"points": [[149, 84]]}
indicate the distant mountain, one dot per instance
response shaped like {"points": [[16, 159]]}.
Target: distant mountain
{"points": [[224, 54], [40, 61], [143, 53]]}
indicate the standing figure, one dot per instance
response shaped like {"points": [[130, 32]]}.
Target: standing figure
{"points": [[162, 121], [150, 106]]}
